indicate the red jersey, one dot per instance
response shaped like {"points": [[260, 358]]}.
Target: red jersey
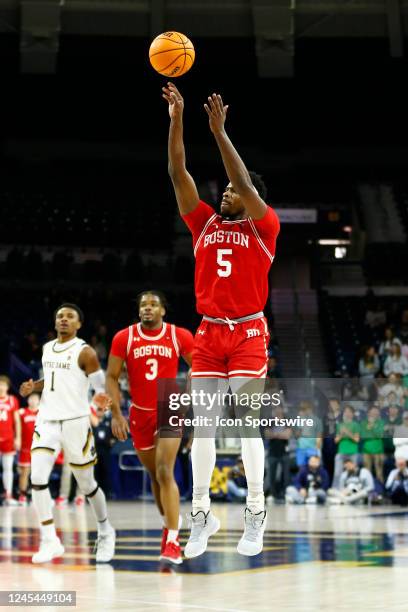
{"points": [[8, 406], [150, 355], [28, 419], [232, 261]]}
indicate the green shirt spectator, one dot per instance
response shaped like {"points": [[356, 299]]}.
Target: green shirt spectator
{"points": [[372, 432], [345, 434]]}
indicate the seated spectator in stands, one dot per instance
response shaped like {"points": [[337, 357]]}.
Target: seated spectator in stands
{"points": [[393, 385], [396, 363], [237, 484], [274, 370], [385, 347], [356, 483], [400, 439], [397, 483], [311, 484], [347, 440], [309, 438], [372, 432], [277, 440], [368, 366], [376, 317]]}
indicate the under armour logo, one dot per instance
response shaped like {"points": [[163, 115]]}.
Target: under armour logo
{"points": [[201, 331], [252, 332]]}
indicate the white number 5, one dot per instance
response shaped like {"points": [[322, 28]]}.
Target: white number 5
{"points": [[225, 265], [153, 365]]}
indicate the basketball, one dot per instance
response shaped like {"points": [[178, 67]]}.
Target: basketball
{"points": [[171, 54]]}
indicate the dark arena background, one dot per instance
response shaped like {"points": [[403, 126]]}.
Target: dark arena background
{"points": [[318, 106]]}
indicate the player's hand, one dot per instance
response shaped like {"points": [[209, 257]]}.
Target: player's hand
{"points": [[17, 444], [102, 400], [174, 99], [26, 388], [120, 427], [217, 112]]}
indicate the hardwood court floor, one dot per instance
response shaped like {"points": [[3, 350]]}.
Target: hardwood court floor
{"points": [[334, 558]]}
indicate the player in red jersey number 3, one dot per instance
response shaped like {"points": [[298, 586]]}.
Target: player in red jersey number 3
{"points": [[151, 351], [234, 251]]}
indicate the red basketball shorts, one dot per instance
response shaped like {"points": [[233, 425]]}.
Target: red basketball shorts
{"points": [[143, 428], [146, 425], [221, 352], [24, 458], [7, 446]]}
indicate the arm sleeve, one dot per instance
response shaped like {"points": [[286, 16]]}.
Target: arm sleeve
{"points": [[119, 344], [185, 340], [196, 219]]}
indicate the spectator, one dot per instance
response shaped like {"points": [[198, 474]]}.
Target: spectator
{"points": [[372, 432], [396, 363], [385, 347], [309, 438], [277, 447], [356, 483], [347, 439], [368, 366], [393, 385], [329, 446], [311, 484], [392, 418], [400, 439], [397, 483], [237, 484]]}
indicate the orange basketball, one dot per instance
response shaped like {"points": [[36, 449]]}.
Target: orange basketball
{"points": [[171, 54]]}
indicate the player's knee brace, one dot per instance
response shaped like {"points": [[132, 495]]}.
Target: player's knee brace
{"points": [[86, 481]]}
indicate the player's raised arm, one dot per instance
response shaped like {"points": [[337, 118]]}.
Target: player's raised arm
{"points": [[234, 166], [183, 183]]}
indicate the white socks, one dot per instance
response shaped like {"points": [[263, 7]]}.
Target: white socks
{"points": [[8, 473], [43, 505], [253, 458], [203, 457]]}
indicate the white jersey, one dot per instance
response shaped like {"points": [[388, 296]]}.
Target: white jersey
{"points": [[66, 386]]}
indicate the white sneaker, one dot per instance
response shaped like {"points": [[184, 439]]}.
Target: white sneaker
{"points": [[311, 501], [203, 525], [105, 546], [251, 542], [49, 549], [334, 501], [10, 501]]}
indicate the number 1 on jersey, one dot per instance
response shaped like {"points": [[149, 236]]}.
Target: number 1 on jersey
{"points": [[225, 265], [52, 381]]}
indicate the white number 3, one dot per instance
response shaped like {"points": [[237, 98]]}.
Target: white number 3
{"points": [[154, 366], [225, 265]]}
